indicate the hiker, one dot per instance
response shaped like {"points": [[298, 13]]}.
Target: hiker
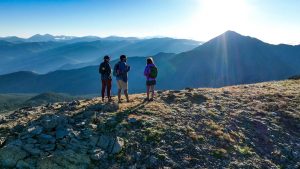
{"points": [[105, 71], [151, 73], [121, 70]]}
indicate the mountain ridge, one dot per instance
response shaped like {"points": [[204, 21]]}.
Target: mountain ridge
{"points": [[49, 56], [228, 59]]}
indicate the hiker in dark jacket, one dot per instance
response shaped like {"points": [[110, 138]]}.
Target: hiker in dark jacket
{"points": [[105, 71], [151, 73], [121, 70]]}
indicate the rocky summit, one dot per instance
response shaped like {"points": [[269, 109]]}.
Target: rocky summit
{"points": [[246, 126]]}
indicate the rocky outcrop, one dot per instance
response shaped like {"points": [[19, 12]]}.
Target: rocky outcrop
{"points": [[248, 126]]}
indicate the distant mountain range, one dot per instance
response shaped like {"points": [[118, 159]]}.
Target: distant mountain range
{"points": [[228, 59], [62, 38], [45, 53], [10, 102]]}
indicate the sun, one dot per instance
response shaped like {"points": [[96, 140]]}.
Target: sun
{"points": [[217, 16]]}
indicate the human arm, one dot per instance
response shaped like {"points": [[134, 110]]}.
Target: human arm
{"points": [[146, 71], [101, 68]]}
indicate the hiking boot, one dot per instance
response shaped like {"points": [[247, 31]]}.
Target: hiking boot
{"points": [[151, 100]]}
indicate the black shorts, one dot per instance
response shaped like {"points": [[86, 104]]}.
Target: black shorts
{"points": [[150, 82]]}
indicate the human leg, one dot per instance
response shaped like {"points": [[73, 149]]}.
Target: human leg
{"points": [[109, 89], [103, 89]]}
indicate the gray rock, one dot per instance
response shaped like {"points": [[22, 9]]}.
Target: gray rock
{"points": [[132, 120], [45, 139], [93, 126], [61, 133], [65, 159], [2, 141], [118, 145], [296, 154], [31, 141], [93, 140], [153, 160], [137, 155], [111, 121], [104, 141], [74, 103], [16, 142], [108, 107], [98, 154], [31, 149], [77, 145], [96, 107], [24, 165], [18, 128], [35, 130], [47, 147], [10, 155], [52, 121], [2, 119], [88, 114]]}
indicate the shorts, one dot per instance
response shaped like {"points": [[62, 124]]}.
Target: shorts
{"points": [[122, 85], [151, 82]]}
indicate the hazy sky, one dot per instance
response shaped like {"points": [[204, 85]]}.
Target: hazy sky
{"points": [[273, 21]]}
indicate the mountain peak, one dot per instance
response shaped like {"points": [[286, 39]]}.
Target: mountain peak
{"points": [[231, 33], [230, 37], [40, 35]]}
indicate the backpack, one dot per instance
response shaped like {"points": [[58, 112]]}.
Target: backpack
{"points": [[153, 72], [116, 69]]}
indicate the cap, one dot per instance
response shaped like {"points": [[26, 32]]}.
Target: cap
{"points": [[106, 57]]}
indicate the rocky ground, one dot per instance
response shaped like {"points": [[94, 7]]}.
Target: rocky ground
{"points": [[246, 126]]}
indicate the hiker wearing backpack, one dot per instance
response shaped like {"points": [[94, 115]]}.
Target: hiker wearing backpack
{"points": [[121, 70], [151, 73], [105, 71]]}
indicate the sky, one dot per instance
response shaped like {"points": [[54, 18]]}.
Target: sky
{"points": [[273, 21]]}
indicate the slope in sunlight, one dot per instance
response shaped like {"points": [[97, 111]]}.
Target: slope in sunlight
{"points": [[247, 126]]}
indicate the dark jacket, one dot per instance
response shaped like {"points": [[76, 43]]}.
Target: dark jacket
{"points": [[105, 71], [123, 69]]}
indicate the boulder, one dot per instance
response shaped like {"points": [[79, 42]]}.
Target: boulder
{"points": [[108, 107], [65, 160], [31, 141], [10, 155], [31, 149], [35, 130], [104, 141], [118, 145], [132, 120], [110, 144], [22, 165], [47, 147], [45, 139], [2, 141], [61, 133], [50, 122], [98, 154]]}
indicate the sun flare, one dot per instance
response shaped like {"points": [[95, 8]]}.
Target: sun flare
{"points": [[217, 16]]}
